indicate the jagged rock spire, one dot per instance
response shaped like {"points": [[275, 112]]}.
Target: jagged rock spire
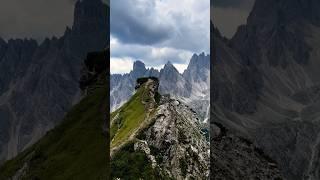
{"points": [[90, 16]]}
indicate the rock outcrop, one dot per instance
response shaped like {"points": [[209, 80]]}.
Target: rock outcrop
{"points": [[94, 65], [177, 137]]}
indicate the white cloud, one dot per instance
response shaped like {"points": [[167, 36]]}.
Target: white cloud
{"points": [[180, 67], [152, 56], [120, 65]]}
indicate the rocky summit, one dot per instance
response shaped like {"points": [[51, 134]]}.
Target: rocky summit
{"points": [[163, 136]]}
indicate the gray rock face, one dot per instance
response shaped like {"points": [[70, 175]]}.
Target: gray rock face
{"points": [[172, 82], [233, 157], [198, 70], [139, 70], [15, 57], [192, 87], [235, 85], [40, 81], [266, 80], [297, 149], [179, 146]]}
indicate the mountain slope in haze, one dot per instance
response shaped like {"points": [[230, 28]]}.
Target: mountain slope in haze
{"points": [[77, 148], [39, 82], [192, 87], [266, 83], [154, 136]]}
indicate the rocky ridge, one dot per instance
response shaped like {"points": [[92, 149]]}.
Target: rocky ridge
{"points": [[172, 138]]}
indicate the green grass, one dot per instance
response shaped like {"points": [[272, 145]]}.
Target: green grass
{"points": [[131, 115], [128, 164], [76, 149]]}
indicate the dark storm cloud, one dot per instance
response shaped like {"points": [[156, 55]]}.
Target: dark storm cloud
{"points": [[243, 4], [137, 25], [162, 23], [157, 31], [35, 18], [228, 15]]}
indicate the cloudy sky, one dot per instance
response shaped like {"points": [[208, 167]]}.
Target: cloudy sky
{"points": [[35, 18], [229, 14], [157, 31]]}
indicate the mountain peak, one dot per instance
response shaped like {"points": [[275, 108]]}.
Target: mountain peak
{"points": [[139, 69], [194, 56], [169, 67], [168, 64], [200, 55], [275, 29], [139, 65], [90, 16], [202, 60], [285, 11]]}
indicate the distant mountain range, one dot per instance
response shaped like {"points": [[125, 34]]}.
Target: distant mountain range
{"points": [[266, 83], [39, 82], [192, 87]]}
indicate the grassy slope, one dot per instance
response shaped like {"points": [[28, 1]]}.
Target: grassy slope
{"points": [[131, 115], [76, 149]]}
